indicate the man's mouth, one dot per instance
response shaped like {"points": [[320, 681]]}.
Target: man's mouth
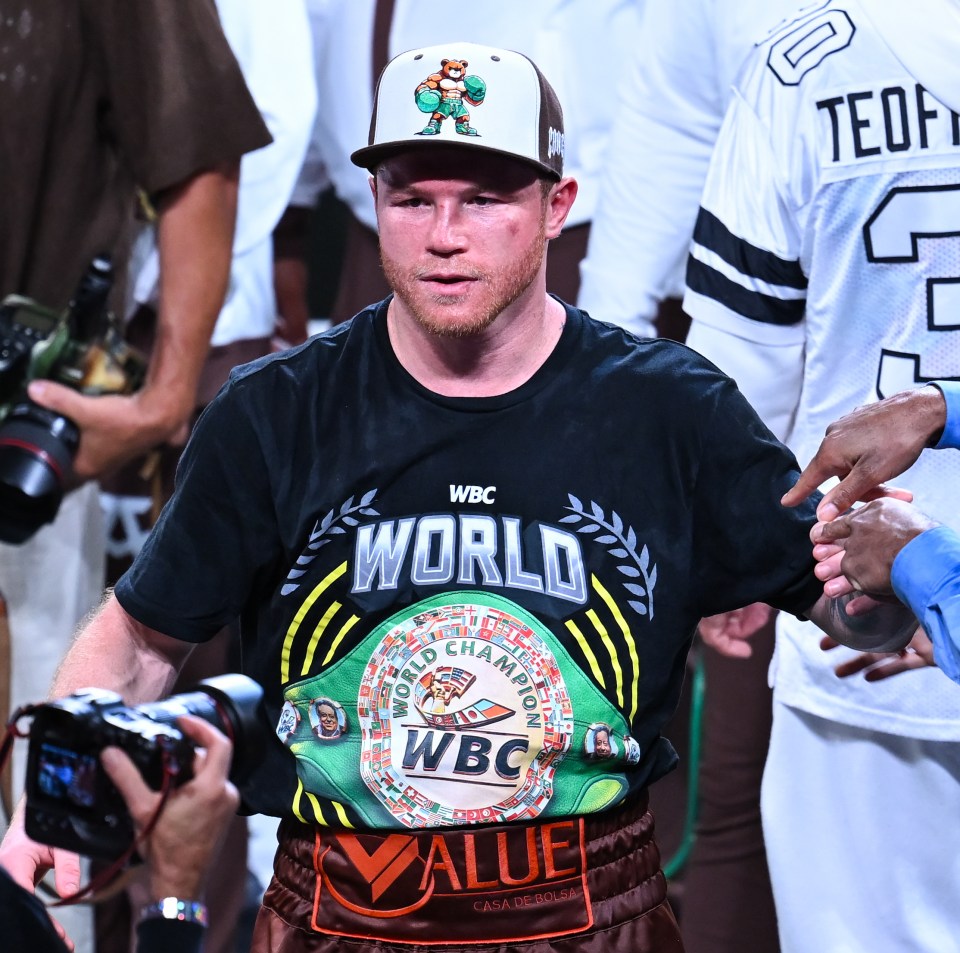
{"points": [[448, 283]]}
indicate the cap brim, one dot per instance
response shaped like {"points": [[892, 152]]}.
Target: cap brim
{"points": [[369, 157]]}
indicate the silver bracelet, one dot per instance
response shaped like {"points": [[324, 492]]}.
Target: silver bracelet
{"points": [[173, 908]]}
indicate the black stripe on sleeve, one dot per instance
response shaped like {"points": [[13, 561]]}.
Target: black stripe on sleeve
{"points": [[746, 258], [751, 304]]}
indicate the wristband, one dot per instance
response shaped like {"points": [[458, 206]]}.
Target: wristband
{"points": [[172, 908]]}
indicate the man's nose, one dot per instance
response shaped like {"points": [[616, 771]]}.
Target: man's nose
{"points": [[448, 231]]}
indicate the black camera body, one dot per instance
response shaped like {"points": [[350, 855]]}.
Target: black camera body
{"points": [[83, 348], [70, 800]]}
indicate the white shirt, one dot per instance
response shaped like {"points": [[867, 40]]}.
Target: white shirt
{"points": [[828, 229], [273, 46], [672, 97]]}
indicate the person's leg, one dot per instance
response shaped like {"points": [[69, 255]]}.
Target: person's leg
{"points": [[862, 839], [727, 900], [361, 280]]}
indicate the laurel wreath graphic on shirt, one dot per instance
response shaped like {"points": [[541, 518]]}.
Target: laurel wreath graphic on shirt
{"points": [[323, 529], [622, 543]]}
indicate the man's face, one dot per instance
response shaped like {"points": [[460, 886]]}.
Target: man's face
{"points": [[461, 238], [328, 719], [601, 744]]}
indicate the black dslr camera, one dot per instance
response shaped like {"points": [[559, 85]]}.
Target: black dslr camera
{"points": [[72, 803], [82, 347]]}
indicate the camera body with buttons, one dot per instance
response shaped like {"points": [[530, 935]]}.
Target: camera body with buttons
{"points": [[70, 800]]}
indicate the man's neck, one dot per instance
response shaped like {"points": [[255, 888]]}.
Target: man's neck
{"points": [[495, 361]]}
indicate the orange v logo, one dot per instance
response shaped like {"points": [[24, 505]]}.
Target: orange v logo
{"points": [[381, 868]]}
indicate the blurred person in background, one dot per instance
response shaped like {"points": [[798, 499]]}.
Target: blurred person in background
{"points": [[100, 98], [273, 47], [673, 92]]}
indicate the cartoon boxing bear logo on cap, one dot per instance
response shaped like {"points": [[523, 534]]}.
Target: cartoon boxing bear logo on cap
{"points": [[443, 95]]}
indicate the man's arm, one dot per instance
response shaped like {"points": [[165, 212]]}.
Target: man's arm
{"points": [[115, 651], [667, 120], [112, 651], [195, 236]]}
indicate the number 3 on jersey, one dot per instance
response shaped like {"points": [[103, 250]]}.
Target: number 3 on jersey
{"points": [[893, 235]]}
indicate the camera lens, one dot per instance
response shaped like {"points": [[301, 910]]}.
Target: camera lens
{"points": [[230, 703], [37, 447]]}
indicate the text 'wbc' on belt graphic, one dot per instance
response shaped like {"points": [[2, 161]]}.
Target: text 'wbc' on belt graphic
{"points": [[464, 715]]}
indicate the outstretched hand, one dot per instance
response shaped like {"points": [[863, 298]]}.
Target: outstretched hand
{"points": [[728, 633], [877, 666], [868, 447], [855, 552]]}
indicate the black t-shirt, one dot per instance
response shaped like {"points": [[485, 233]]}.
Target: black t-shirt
{"points": [[470, 609]]}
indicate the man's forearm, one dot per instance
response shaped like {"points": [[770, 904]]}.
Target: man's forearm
{"points": [[116, 652], [195, 242]]}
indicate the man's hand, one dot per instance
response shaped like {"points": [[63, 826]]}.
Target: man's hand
{"points": [[879, 665], [195, 242], [27, 862], [194, 818], [869, 446], [113, 429], [728, 632], [855, 552]]}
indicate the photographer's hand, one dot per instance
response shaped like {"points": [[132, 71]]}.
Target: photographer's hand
{"points": [[27, 862], [193, 819], [114, 429], [195, 241]]}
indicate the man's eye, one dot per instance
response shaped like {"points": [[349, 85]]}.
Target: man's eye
{"points": [[484, 200]]}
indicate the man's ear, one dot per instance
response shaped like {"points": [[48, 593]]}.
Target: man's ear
{"points": [[559, 202]]}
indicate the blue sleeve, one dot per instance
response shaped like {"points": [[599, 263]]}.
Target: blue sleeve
{"points": [[926, 577], [951, 431]]}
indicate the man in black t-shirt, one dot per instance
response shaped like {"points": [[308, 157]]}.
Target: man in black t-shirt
{"points": [[474, 525]]}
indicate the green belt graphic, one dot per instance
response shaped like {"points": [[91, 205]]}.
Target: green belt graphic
{"points": [[461, 709]]}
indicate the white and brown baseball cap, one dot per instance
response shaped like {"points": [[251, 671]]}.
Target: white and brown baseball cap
{"points": [[468, 95]]}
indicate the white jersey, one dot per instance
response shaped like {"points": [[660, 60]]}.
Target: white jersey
{"points": [[831, 221]]}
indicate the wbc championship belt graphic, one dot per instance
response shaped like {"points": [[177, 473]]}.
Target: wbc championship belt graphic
{"points": [[461, 710]]}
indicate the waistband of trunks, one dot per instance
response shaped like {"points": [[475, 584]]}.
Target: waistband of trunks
{"points": [[620, 878]]}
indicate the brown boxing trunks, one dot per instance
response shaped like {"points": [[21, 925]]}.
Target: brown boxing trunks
{"points": [[576, 885]]}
